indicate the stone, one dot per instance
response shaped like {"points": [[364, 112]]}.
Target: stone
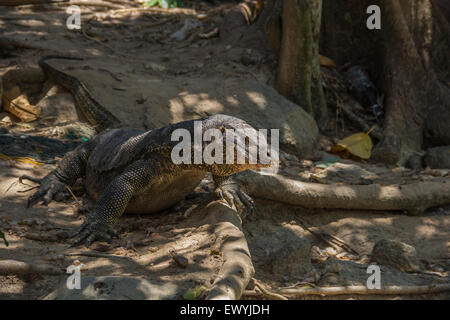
{"points": [[414, 162], [177, 99], [396, 254], [438, 157]]}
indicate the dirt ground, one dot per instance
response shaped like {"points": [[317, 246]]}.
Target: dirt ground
{"points": [[130, 50]]}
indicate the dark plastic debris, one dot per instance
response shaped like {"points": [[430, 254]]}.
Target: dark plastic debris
{"points": [[40, 148], [364, 90]]}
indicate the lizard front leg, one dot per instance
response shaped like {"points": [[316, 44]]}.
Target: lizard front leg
{"points": [[233, 193], [71, 167], [113, 202]]}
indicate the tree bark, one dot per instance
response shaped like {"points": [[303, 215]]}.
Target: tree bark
{"points": [[298, 67], [405, 59], [405, 79]]}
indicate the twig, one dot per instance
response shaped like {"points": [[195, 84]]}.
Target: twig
{"points": [[95, 255], [101, 4], [267, 293], [213, 33], [74, 197], [158, 10], [83, 32], [10, 186], [111, 74], [333, 241]]}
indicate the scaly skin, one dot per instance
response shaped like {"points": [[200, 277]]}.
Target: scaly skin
{"points": [[95, 113], [127, 170]]}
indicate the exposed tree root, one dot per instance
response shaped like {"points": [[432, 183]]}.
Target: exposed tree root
{"points": [[414, 197], [95, 255], [9, 44], [267, 293], [362, 290], [237, 268], [9, 267]]}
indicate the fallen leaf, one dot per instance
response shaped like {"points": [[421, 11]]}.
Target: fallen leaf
{"points": [[17, 104], [358, 144], [194, 294]]}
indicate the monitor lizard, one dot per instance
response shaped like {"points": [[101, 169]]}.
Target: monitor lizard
{"points": [[129, 170]]}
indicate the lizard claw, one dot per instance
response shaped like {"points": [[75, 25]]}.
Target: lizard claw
{"points": [[49, 189], [90, 232], [236, 199]]}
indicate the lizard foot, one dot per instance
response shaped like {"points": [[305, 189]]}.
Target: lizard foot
{"points": [[236, 198], [91, 231], [50, 189]]}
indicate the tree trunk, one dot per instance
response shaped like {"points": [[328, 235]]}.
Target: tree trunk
{"points": [[407, 60], [404, 77], [298, 67]]}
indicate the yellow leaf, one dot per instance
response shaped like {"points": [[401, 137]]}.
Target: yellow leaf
{"points": [[358, 144]]}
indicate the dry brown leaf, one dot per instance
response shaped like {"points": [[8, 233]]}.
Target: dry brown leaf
{"points": [[17, 104]]}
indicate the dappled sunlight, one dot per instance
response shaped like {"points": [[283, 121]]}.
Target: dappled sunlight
{"points": [[147, 78], [258, 99]]}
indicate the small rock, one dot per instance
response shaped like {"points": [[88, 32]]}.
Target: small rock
{"points": [[179, 259], [438, 157], [414, 162], [396, 254], [292, 171]]}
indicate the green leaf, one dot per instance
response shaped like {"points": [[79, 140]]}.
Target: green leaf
{"points": [[194, 294], [2, 236], [164, 4], [151, 3]]}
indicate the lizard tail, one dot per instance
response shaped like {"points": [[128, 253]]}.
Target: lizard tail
{"points": [[97, 115]]}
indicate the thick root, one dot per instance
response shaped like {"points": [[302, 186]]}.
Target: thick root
{"points": [[414, 197], [237, 268], [360, 290], [14, 267]]}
